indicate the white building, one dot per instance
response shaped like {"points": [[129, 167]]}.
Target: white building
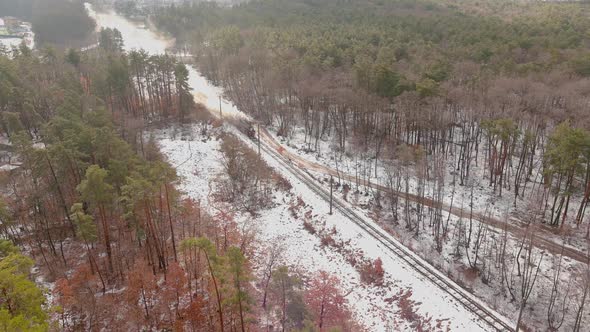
{"points": [[1, 23]]}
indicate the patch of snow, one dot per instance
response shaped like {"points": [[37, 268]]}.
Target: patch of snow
{"points": [[8, 167]]}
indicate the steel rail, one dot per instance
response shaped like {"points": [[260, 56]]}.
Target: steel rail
{"points": [[411, 259]]}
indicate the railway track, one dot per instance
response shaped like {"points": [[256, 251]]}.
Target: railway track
{"points": [[518, 229], [398, 249]]}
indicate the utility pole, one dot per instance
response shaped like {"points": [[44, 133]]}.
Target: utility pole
{"points": [[194, 230], [259, 139], [331, 192], [220, 114]]}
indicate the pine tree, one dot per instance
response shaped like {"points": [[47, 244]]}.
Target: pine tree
{"points": [[21, 301], [96, 191], [237, 270]]}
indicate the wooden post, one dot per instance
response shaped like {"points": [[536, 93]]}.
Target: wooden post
{"points": [[331, 192], [259, 139]]}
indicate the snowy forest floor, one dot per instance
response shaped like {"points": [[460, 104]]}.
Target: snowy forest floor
{"points": [[313, 240], [493, 217], [499, 211]]}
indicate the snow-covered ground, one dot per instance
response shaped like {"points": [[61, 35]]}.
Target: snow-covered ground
{"points": [[9, 43], [484, 201], [28, 38], [197, 160], [363, 164]]}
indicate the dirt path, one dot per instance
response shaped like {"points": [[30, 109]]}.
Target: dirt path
{"points": [[517, 230]]}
